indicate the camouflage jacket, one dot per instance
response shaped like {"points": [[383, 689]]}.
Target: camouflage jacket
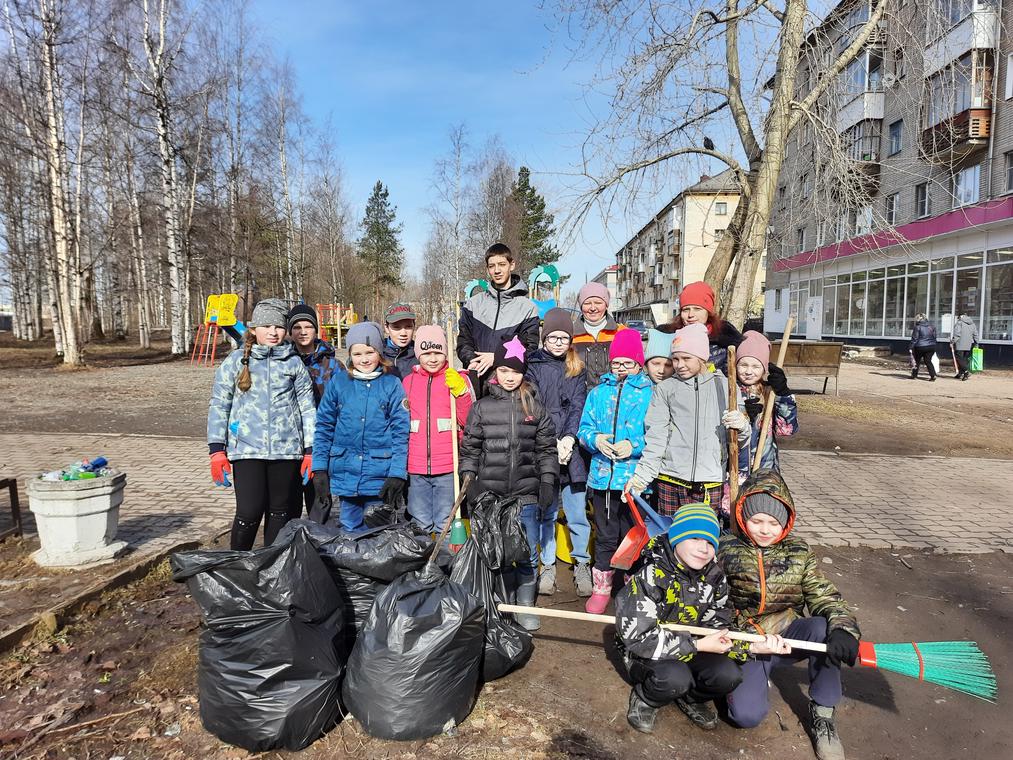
{"points": [[665, 591], [771, 587], [275, 419]]}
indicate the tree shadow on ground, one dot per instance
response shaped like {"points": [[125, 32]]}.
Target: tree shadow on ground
{"points": [[866, 685]]}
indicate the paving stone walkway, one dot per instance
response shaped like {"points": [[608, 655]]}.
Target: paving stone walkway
{"points": [[947, 504]]}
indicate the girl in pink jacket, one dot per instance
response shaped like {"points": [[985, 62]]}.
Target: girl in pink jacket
{"points": [[428, 388]]}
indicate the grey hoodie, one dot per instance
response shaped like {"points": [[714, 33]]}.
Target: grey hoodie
{"points": [[965, 333], [685, 437]]}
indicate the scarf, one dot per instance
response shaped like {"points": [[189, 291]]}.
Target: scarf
{"points": [[367, 375]]}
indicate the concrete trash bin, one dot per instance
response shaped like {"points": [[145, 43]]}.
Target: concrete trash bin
{"points": [[77, 519]]}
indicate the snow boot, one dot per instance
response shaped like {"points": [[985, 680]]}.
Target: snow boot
{"points": [[701, 714], [527, 594], [823, 730], [601, 591], [640, 714], [582, 579], [547, 581]]}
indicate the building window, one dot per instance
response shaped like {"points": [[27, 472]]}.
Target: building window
{"points": [[806, 185], [898, 63], [1008, 156], [891, 208], [946, 14], [863, 220], [963, 85], [800, 239], [1009, 76], [780, 197], [721, 208], [923, 203], [719, 234], [777, 299], [896, 133], [965, 185]]}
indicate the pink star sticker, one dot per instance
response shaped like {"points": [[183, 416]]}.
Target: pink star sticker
{"points": [[514, 349]]}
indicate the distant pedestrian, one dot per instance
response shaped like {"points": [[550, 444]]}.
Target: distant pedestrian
{"points": [[697, 305], [399, 345], [963, 340], [594, 331], [923, 346]]}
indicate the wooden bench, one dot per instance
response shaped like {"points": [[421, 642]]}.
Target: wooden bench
{"points": [[811, 358], [12, 488]]}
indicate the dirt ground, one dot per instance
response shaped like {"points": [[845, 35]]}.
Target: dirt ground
{"points": [[119, 680]]}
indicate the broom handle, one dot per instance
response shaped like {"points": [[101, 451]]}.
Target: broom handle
{"points": [[768, 404], [733, 440], [453, 416], [450, 520], [587, 617]]}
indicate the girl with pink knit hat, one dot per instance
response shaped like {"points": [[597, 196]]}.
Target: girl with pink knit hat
{"points": [[688, 423], [757, 379]]}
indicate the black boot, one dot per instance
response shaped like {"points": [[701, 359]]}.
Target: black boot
{"points": [[700, 714], [640, 714]]}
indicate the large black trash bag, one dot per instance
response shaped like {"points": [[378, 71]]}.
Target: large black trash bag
{"points": [[269, 670], [414, 670], [496, 524]]}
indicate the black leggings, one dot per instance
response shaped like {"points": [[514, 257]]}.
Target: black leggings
{"points": [[612, 521], [269, 487], [924, 355]]}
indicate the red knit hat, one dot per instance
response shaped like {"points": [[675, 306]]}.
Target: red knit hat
{"points": [[627, 345], [697, 294]]}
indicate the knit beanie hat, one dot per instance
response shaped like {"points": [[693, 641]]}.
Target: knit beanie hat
{"points": [[593, 290], [270, 312], [511, 354], [762, 502], [430, 338], [366, 333], [697, 294], [754, 345], [303, 312], [695, 521], [692, 340], [557, 320], [658, 344], [627, 345]]}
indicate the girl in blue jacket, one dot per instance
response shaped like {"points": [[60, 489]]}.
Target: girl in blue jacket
{"points": [[260, 426], [361, 444], [612, 428]]}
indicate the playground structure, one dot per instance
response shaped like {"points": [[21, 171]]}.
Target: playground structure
{"points": [[219, 316], [333, 319], [540, 277]]}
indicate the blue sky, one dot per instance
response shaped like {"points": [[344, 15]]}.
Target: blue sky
{"points": [[394, 76]]}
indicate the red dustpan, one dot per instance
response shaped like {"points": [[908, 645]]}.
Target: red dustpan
{"points": [[634, 542]]}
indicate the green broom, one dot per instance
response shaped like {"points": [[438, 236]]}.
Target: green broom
{"points": [[957, 665]]}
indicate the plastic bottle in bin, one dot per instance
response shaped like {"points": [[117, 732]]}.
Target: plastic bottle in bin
{"points": [[85, 469]]}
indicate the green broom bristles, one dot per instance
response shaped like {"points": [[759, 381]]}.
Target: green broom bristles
{"points": [[957, 665]]}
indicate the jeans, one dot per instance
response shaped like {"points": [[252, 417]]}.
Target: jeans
{"points": [[749, 703], [536, 527], [352, 510], [575, 509], [705, 677], [430, 498]]}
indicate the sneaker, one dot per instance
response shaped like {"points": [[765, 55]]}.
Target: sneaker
{"points": [[932, 379], [826, 743], [958, 375], [547, 581], [965, 376], [582, 579], [701, 714], [640, 714]]}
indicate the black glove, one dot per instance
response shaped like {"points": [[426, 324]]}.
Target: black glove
{"points": [[777, 381], [754, 408], [842, 647], [321, 508], [392, 491], [546, 495]]}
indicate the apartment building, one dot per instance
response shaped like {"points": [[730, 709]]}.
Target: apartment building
{"points": [[909, 208], [674, 248]]}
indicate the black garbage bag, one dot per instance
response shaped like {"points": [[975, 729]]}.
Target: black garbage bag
{"points": [[496, 525], [414, 670], [269, 670], [507, 645]]}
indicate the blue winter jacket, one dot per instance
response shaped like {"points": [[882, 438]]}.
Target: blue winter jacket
{"points": [[321, 364], [564, 398], [272, 420], [615, 409], [362, 434]]}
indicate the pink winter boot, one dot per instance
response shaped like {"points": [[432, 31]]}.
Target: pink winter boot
{"points": [[602, 592]]}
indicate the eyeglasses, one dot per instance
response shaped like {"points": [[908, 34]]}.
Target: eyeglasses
{"points": [[624, 365], [559, 340]]}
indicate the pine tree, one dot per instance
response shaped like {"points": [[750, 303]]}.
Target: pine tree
{"points": [[534, 222], [380, 245]]}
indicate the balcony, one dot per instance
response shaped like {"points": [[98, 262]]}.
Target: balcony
{"points": [[864, 154], [977, 31], [862, 106], [958, 136]]}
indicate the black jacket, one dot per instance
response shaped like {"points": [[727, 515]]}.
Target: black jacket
{"points": [[564, 397], [923, 335], [402, 359], [509, 452]]}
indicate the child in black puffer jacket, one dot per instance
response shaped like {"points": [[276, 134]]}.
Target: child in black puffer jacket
{"points": [[509, 447]]}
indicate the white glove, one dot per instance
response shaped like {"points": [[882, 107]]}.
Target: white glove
{"points": [[602, 443], [623, 449], [564, 448], [733, 419], [635, 485]]}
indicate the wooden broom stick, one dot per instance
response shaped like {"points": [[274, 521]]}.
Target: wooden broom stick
{"points": [[733, 439], [768, 404], [453, 415], [587, 617]]}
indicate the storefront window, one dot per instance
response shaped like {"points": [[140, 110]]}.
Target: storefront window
{"points": [[969, 292], [894, 322], [874, 320], [999, 303], [897, 271], [941, 303], [842, 322], [916, 301], [829, 303], [857, 308], [970, 260], [1000, 255]]}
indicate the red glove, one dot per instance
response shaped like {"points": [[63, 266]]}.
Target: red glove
{"points": [[306, 468], [221, 468]]}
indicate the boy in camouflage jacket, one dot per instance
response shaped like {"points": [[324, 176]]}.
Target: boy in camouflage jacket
{"points": [[773, 579]]}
